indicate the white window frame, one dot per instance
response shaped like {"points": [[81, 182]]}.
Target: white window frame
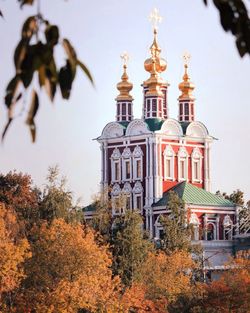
{"points": [[115, 159], [127, 192], [116, 194], [197, 159], [126, 157], [169, 155], [138, 193], [183, 157], [137, 156]]}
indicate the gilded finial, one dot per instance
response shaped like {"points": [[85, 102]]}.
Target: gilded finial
{"points": [[155, 19], [124, 86], [160, 64], [186, 87]]}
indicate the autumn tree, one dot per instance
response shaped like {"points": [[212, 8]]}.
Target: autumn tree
{"points": [[56, 200], [13, 253], [130, 246], [231, 292], [165, 277], [176, 231], [68, 271], [18, 194]]}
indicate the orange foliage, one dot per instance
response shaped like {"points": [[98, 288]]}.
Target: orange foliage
{"points": [[166, 276], [13, 252], [231, 292], [68, 271]]}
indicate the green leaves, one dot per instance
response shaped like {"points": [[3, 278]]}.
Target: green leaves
{"points": [[31, 58]]}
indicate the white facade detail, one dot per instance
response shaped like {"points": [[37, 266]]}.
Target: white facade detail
{"points": [[182, 164], [195, 222], [169, 163], [116, 166], [196, 166], [126, 165], [137, 163], [138, 196]]}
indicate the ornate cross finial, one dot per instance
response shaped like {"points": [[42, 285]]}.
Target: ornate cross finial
{"points": [[125, 58], [186, 58], [155, 18]]}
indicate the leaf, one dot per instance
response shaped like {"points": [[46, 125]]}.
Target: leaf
{"points": [[66, 78], [41, 75], [205, 2], [34, 105], [29, 27], [70, 51], [6, 128], [20, 53], [11, 90], [86, 71], [23, 2], [52, 34], [1, 13]]}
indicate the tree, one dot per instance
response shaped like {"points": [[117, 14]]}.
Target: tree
{"points": [[18, 194], [167, 276], [39, 58], [231, 292], [68, 271], [130, 246], [56, 200], [13, 253], [176, 231]]}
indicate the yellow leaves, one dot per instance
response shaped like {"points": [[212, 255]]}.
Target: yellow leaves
{"points": [[69, 270], [13, 253], [167, 275]]}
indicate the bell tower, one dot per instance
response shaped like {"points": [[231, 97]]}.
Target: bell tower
{"points": [[186, 99], [155, 88], [124, 101]]}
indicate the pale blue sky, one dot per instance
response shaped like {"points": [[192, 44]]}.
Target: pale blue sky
{"points": [[100, 32]]}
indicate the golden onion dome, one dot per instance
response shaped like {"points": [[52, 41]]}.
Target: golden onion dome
{"points": [[160, 63], [186, 86], [124, 86]]}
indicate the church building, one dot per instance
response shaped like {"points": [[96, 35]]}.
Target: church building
{"points": [[144, 158]]}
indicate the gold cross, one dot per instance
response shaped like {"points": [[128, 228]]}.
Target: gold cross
{"points": [[155, 18], [186, 58], [125, 58]]}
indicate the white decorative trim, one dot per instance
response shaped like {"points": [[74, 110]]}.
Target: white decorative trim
{"points": [[197, 159], [171, 127], [116, 190], [127, 188], [126, 158], [137, 158], [116, 154], [169, 155], [137, 127], [112, 130], [197, 129], [194, 219], [138, 187], [137, 153], [126, 153], [183, 157]]}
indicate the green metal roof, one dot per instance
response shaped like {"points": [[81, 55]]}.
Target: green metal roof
{"points": [[184, 126], [191, 194], [124, 124], [154, 123], [89, 208]]}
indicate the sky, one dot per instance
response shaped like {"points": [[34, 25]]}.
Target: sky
{"points": [[100, 31]]}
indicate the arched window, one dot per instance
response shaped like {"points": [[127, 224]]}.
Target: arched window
{"points": [[137, 163], [196, 166], [158, 228], [227, 228], [116, 166], [138, 196], [169, 156], [211, 231], [182, 164], [126, 165]]}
